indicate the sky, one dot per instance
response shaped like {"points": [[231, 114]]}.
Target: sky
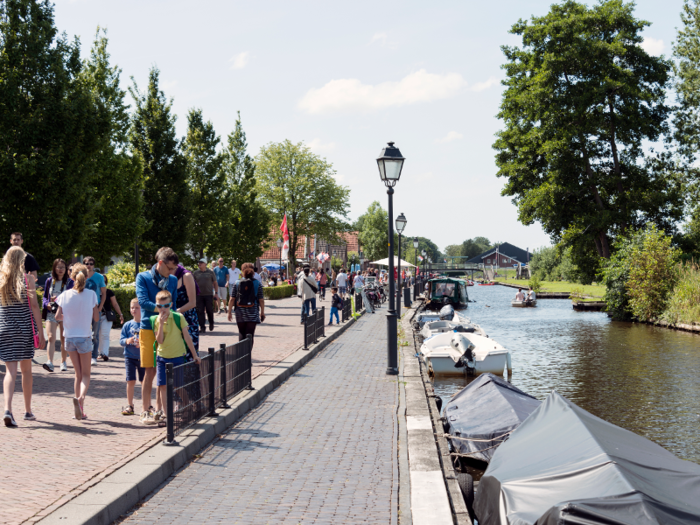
{"points": [[346, 79]]}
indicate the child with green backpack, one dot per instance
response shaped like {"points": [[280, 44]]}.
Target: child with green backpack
{"points": [[172, 341]]}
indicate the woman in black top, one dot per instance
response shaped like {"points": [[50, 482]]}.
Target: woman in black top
{"points": [[247, 316]]}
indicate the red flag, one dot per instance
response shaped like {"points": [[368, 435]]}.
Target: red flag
{"points": [[285, 237]]}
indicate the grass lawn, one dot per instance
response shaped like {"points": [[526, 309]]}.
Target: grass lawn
{"points": [[592, 290]]}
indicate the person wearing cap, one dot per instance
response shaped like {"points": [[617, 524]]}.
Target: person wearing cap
{"points": [[208, 293]]}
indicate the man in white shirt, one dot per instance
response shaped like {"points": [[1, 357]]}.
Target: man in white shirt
{"points": [[256, 275], [342, 281], [233, 275], [531, 296]]}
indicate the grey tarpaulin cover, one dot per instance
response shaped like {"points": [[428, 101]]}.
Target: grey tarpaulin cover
{"points": [[564, 466], [487, 409]]}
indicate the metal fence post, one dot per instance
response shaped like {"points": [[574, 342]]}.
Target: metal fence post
{"points": [[249, 339], [212, 374], [224, 397], [306, 335], [169, 406], [323, 321]]}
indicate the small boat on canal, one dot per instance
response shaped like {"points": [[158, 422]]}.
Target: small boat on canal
{"points": [[524, 304], [458, 353], [447, 290], [449, 321], [487, 284]]}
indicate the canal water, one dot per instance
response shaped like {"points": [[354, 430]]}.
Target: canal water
{"points": [[642, 378]]}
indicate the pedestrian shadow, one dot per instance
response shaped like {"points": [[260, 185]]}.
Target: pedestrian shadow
{"points": [[83, 427]]}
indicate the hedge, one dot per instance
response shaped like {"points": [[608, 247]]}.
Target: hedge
{"points": [[279, 292], [124, 295]]}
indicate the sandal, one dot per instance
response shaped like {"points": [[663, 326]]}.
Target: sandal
{"points": [[128, 411]]}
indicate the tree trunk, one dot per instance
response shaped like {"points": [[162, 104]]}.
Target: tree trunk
{"points": [[604, 245], [616, 165]]}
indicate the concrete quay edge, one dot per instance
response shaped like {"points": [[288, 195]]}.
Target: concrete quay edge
{"points": [[115, 495], [436, 498]]}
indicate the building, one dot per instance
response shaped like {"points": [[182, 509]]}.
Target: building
{"points": [[308, 249], [505, 256]]}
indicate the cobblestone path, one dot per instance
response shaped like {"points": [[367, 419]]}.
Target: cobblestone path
{"points": [[319, 449]]}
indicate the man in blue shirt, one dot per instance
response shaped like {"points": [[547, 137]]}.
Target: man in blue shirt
{"points": [[222, 281], [96, 283], [148, 284]]}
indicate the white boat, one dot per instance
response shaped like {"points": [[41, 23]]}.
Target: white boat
{"points": [[523, 304], [438, 327], [470, 352]]}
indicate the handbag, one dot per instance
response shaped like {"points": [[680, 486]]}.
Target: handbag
{"points": [[110, 315], [29, 303]]}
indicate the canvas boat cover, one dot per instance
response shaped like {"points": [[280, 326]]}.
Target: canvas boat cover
{"points": [[564, 466], [484, 413]]}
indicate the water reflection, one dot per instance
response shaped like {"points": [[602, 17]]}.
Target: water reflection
{"points": [[636, 376]]}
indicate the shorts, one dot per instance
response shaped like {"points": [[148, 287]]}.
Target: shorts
{"points": [[223, 293], [160, 369], [146, 340], [133, 365], [341, 289], [51, 317], [82, 345]]}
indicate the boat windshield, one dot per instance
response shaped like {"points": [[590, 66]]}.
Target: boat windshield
{"points": [[444, 290]]}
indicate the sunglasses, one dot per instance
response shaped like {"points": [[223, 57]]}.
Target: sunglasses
{"points": [[89, 264], [163, 305]]}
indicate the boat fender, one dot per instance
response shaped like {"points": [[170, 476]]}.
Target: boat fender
{"points": [[438, 402]]}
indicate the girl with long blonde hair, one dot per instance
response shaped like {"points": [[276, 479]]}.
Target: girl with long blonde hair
{"points": [[77, 308], [20, 321]]}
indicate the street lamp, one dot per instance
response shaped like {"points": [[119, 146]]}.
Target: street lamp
{"points": [[400, 226], [280, 243], [415, 257], [390, 164]]}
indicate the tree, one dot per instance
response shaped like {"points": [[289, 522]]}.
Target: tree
{"points": [[166, 194], [206, 183], [581, 99], [476, 246], [374, 234], [116, 218], [50, 132], [246, 224], [292, 180], [454, 250]]}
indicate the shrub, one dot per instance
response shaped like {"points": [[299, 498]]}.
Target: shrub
{"points": [[120, 274], [683, 305], [279, 291], [124, 295], [534, 283], [652, 273]]}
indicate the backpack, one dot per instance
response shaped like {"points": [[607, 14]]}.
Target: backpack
{"points": [[177, 318], [247, 294]]}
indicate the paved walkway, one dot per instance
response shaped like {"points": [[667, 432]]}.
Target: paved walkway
{"points": [[47, 462], [320, 449]]}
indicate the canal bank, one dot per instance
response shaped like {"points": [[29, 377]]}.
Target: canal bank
{"points": [[637, 376]]}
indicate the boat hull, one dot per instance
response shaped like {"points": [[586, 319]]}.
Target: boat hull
{"points": [[523, 304], [443, 366]]}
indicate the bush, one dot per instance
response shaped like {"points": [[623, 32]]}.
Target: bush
{"points": [[124, 295], [279, 292], [120, 274], [683, 305], [534, 283]]}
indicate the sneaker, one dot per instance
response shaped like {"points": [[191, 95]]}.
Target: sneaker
{"points": [[64, 367], [48, 366], [28, 416], [147, 418], [93, 362], [128, 410], [9, 420], [158, 415]]}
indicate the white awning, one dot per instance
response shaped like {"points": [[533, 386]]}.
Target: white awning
{"points": [[385, 262]]}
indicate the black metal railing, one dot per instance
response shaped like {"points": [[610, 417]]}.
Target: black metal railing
{"points": [[346, 313], [309, 323], [193, 391], [358, 302], [320, 323]]}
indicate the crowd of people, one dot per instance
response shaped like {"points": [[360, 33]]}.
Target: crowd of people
{"points": [[168, 314]]}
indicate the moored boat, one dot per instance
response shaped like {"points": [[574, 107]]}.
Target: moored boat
{"points": [[447, 290], [458, 353]]}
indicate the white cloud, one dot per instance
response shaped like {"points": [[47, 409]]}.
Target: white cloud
{"points": [[481, 86], [653, 46], [452, 135], [168, 85], [317, 146], [240, 60], [350, 94]]}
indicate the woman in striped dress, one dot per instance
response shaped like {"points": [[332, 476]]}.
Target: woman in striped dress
{"points": [[20, 319]]}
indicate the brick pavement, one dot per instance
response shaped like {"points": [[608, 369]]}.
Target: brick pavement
{"points": [[320, 449], [47, 462]]}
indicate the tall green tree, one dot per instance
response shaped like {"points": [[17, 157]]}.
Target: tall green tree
{"points": [[475, 246], [166, 193], [581, 99], [246, 222], [373, 234], [292, 180], [116, 219], [206, 180], [50, 132]]}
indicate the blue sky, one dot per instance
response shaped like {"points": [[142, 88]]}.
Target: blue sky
{"points": [[345, 79]]}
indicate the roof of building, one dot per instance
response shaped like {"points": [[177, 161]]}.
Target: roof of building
{"points": [[506, 249], [273, 252]]}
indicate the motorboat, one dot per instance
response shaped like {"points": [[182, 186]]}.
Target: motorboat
{"points": [[457, 353], [487, 284], [447, 290], [483, 414], [524, 304], [565, 466], [446, 313], [463, 324]]}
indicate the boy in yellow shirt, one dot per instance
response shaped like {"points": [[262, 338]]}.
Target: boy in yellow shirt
{"points": [[170, 343]]}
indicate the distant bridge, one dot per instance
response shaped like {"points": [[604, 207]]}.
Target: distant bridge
{"points": [[455, 265]]}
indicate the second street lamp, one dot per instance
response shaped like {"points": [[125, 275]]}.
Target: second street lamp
{"points": [[280, 243], [400, 227], [390, 164]]}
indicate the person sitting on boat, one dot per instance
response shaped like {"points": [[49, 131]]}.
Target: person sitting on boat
{"points": [[531, 295], [520, 296]]}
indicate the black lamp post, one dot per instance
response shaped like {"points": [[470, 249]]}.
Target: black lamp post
{"points": [[400, 226], [390, 163], [425, 263], [415, 256]]}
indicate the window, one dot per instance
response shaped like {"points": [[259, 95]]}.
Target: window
{"points": [[488, 261], [505, 260]]}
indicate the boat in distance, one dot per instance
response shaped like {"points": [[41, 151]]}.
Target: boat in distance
{"points": [[524, 304]]}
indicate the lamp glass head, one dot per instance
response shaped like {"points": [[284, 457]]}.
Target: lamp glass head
{"points": [[390, 164], [401, 223], [415, 242]]}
